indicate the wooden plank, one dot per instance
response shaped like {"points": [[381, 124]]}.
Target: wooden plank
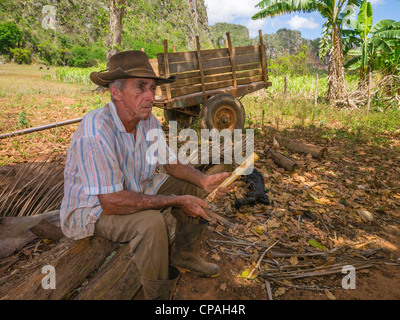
{"points": [[180, 91], [199, 58], [207, 54], [214, 78], [217, 70], [232, 60], [177, 68], [248, 58], [46, 230], [166, 70]]}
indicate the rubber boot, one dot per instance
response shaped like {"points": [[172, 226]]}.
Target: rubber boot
{"points": [[186, 257], [161, 289]]}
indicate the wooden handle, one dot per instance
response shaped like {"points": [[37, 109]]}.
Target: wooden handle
{"points": [[235, 174]]}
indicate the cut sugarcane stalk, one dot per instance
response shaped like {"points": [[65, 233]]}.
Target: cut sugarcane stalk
{"points": [[235, 174]]}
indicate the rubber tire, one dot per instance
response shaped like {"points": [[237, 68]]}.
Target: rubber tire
{"points": [[216, 102]]}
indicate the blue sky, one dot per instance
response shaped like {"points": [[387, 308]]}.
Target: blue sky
{"points": [[309, 24]]}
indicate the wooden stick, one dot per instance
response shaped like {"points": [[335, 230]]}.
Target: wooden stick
{"points": [[235, 174], [260, 259]]}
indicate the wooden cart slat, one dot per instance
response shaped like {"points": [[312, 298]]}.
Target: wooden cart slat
{"points": [[178, 57]]}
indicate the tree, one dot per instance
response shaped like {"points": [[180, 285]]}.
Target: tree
{"points": [[374, 45], [334, 12], [10, 36], [117, 8]]}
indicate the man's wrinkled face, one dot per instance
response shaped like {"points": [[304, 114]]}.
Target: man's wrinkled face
{"points": [[138, 96]]}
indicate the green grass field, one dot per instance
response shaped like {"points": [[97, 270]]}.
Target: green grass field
{"points": [[30, 97]]}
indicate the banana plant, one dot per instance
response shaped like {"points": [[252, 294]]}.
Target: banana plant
{"points": [[333, 11], [372, 46]]}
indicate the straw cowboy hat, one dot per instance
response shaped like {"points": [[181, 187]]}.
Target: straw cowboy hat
{"points": [[128, 64]]}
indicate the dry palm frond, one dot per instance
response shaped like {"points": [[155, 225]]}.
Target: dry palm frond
{"points": [[382, 92], [201, 159], [35, 188]]}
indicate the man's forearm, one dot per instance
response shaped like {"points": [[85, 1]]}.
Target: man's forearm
{"points": [[186, 173], [128, 202]]}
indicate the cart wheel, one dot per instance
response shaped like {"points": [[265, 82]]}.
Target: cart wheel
{"points": [[222, 111]]}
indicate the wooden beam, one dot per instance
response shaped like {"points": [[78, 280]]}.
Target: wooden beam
{"points": [[118, 280], [263, 57], [72, 260], [228, 37], [166, 69], [203, 85]]}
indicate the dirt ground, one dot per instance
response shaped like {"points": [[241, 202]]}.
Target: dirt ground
{"points": [[381, 283], [344, 205]]}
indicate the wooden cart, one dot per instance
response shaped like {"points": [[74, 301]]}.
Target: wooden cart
{"points": [[211, 82]]}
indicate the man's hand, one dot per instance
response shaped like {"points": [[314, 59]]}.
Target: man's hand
{"points": [[193, 206], [211, 182]]}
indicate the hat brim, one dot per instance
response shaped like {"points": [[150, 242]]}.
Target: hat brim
{"points": [[103, 79]]}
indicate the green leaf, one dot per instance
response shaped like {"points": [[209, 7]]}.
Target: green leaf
{"points": [[315, 244], [365, 18], [383, 24], [246, 273]]}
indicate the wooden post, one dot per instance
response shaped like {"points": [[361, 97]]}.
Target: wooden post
{"points": [[316, 89], [173, 49], [203, 86], [166, 70], [369, 91], [263, 57], [228, 37], [286, 87]]}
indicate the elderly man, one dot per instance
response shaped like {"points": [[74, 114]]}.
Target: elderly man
{"points": [[111, 190]]}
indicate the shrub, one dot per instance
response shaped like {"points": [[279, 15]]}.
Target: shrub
{"points": [[21, 55], [49, 52], [85, 57]]}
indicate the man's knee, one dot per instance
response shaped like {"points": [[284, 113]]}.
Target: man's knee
{"points": [[153, 223]]}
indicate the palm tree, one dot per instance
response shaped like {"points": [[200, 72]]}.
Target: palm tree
{"points": [[334, 12]]}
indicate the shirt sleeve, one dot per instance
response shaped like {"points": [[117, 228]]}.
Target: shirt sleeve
{"points": [[98, 166]]}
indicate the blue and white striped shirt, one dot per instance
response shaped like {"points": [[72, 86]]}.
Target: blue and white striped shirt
{"points": [[104, 158]]}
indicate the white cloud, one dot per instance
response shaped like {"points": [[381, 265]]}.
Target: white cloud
{"points": [[297, 23], [254, 26], [229, 10]]}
